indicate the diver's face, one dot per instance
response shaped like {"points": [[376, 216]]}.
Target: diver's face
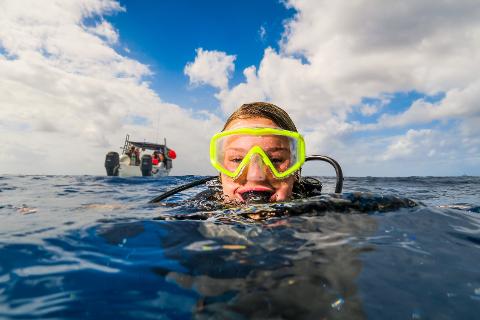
{"points": [[256, 176]]}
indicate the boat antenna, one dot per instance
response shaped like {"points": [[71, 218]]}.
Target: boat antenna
{"points": [[158, 127]]}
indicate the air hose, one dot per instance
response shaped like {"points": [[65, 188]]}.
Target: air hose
{"points": [[338, 185]]}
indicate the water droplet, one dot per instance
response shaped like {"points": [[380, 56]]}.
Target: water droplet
{"points": [[338, 304]]}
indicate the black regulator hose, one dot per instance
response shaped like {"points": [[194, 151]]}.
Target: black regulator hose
{"points": [[338, 186], [192, 184], [338, 169]]}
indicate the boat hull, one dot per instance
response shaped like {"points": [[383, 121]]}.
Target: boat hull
{"points": [[127, 170]]}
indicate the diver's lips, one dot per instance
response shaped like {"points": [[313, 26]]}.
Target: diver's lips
{"points": [[255, 189]]}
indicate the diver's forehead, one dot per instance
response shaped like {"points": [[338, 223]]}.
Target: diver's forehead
{"points": [[252, 122]]}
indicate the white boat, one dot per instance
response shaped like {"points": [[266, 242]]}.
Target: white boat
{"points": [[140, 159]]}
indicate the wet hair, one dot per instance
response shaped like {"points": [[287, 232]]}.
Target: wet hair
{"points": [[263, 110]]}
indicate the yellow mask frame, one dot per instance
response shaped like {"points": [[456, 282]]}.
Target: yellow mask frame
{"points": [[300, 151]]}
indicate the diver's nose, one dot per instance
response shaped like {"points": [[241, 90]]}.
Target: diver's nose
{"points": [[256, 170]]}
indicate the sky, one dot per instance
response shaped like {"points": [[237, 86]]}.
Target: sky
{"points": [[387, 88]]}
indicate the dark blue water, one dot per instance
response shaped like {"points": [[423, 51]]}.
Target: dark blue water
{"points": [[91, 247]]}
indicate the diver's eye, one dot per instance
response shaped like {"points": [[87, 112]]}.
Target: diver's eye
{"points": [[234, 158]]}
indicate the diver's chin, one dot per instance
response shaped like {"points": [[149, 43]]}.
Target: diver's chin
{"points": [[232, 201]]}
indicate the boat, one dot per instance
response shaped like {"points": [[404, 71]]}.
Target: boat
{"points": [[140, 159]]}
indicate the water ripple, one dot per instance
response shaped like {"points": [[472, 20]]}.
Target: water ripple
{"points": [[91, 247]]}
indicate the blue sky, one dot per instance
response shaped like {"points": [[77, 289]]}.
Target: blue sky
{"points": [[165, 34], [386, 88]]}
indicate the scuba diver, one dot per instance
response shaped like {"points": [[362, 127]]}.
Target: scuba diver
{"points": [[259, 154], [295, 268]]}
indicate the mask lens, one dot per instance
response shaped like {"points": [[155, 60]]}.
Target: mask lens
{"points": [[232, 150]]}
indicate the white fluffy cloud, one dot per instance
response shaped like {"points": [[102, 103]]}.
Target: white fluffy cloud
{"points": [[106, 30], [210, 67], [67, 97], [334, 54], [457, 104]]}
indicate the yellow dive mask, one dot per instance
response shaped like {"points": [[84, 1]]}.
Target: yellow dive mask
{"points": [[282, 151]]}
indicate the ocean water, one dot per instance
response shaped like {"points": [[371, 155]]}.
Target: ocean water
{"points": [[86, 247]]}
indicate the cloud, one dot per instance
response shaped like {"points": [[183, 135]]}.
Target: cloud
{"points": [[432, 152], [67, 97], [369, 109], [262, 33], [457, 104], [415, 141], [334, 54], [211, 68], [106, 30]]}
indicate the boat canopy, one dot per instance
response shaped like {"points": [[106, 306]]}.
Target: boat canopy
{"points": [[162, 148], [148, 146]]}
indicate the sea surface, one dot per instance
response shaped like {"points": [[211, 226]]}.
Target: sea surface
{"points": [[88, 247]]}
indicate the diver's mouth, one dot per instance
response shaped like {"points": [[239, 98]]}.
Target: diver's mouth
{"points": [[256, 196]]}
